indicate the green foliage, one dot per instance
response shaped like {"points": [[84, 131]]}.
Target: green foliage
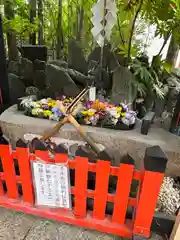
{"points": [[146, 79], [164, 14]]}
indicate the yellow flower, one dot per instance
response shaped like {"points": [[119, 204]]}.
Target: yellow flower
{"points": [[91, 113], [118, 115], [47, 113], [123, 114], [84, 113], [119, 109], [34, 112], [53, 103]]}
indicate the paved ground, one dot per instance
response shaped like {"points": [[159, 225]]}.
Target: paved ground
{"points": [[19, 226]]}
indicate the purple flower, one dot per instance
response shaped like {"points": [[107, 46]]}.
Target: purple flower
{"points": [[128, 115], [125, 107], [46, 107], [92, 118], [88, 105], [55, 109]]}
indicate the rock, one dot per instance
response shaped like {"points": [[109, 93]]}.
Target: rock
{"points": [[78, 77], [26, 71], [149, 102], [39, 65], [175, 123], [32, 91], [39, 79], [76, 59], [16, 88], [13, 67], [159, 106], [171, 99], [121, 59], [95, 56], [122, 87], [109, 58], [59, 82], [33, 52], [102, 80], [59, 63], [92, 66], [99, 76], [164, 121], [161, 102]]}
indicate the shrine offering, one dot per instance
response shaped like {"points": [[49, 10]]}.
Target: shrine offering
{"points": [[95, 113]]}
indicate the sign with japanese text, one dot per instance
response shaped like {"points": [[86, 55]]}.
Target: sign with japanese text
{"points": [[51, 182]]}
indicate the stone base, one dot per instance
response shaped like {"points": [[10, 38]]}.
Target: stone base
{"points": [[117, 142]]}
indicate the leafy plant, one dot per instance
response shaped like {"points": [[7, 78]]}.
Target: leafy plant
{"points": [[146, 79]]}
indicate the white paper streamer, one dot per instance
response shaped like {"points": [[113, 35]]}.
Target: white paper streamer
{"points": [[98, 16]]}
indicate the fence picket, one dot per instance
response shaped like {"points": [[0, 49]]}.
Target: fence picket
{"points": [[153, 173], [25, 171], [41, 151], [150, 178], [8, 167], [101, 189], [61, 154], [122, 192], [81, 178]]}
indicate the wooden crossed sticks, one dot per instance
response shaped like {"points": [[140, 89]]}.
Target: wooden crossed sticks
{"points": [[69, 118]]}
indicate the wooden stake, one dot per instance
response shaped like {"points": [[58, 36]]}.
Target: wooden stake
{"points": [[175, 235]]}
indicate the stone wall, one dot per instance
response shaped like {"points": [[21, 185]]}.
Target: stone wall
{"points": [[118, 143]]}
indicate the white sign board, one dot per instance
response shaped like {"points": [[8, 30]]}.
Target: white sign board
{"points": [[52, 186]]}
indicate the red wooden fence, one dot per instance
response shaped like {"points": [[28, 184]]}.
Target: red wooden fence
{"points": [[150, 179]]}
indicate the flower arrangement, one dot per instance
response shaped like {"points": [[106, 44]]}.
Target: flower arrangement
{"points": [[90, 113]]}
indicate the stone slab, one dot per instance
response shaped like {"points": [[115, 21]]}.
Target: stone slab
{"points": [[19, 226], [14, 125]]}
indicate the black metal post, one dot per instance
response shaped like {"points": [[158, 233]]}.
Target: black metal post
{"points": [[4, 86]]}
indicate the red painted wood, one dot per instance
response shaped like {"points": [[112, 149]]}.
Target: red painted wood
{"points": [[9, 171], [96, 220], [101, 189], [61, 158], [25, 174], [122, 193], [147, 200], [110, 197], [1, 189], [81, 179], [42, 156]]}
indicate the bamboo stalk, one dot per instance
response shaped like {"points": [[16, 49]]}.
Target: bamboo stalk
{"points": [[87, 138]]}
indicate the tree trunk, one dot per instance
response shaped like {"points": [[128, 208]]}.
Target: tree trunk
{"points": [[59, 45], [11, 34], [172, 51], [41, 23], [132, 31], [80, 23], [32, 5]]}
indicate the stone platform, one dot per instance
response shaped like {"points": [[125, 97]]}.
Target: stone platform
{"points": [[117, 142]]}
